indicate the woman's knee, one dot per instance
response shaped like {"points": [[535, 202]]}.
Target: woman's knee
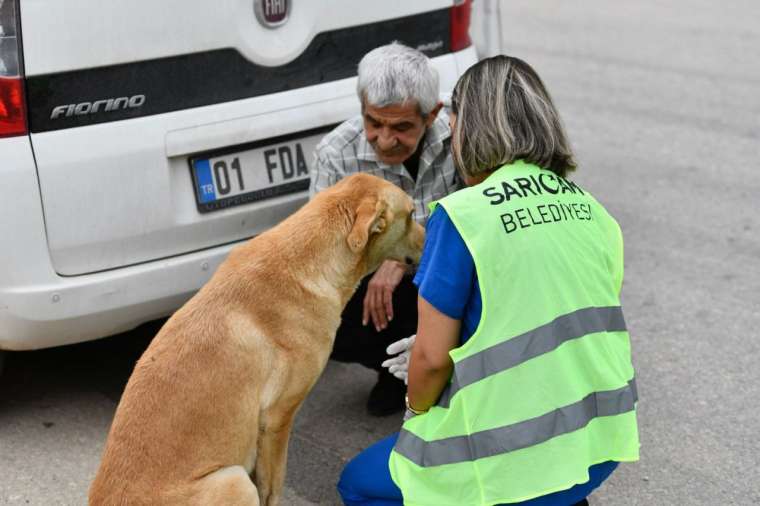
{"points": [[366, 478]]}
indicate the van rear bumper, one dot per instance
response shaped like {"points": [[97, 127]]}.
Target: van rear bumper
{"points": [[66, 310]]}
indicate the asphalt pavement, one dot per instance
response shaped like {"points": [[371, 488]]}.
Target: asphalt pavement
{"points": [[661, 101]]}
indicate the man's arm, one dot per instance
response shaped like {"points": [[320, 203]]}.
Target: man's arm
{"points": [[326, 171]]}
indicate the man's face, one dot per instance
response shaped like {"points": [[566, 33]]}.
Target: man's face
{"points": [[394, 131]]}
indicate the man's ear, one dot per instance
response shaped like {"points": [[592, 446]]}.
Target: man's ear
{"points": [[430, 118], [367, 221]]}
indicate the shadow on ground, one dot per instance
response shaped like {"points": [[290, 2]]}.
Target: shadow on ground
{"points": [[103, 366]]}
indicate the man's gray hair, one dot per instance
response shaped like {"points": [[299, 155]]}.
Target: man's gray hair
{"points": [[396, 74], [504, 113]]}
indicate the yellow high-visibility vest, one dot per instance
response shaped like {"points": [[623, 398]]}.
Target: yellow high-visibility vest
{"points": [[545, 387]]}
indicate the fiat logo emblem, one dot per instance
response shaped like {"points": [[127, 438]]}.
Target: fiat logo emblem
{"points": [[271, 13]]}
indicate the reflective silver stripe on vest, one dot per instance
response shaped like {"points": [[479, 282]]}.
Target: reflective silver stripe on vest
{"points": [[513, 437], [532, 344]]}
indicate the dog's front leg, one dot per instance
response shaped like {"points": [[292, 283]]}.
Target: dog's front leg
{"points": [[272, 458]]}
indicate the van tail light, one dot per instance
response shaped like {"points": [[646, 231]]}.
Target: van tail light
{"points": [[460, 25], [12, 101]]}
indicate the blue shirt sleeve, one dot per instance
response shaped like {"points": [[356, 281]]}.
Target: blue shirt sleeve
{"points": [[446, 271], [446, 276]]}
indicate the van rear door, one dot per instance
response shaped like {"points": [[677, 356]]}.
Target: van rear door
{"points": [[127, 99]]}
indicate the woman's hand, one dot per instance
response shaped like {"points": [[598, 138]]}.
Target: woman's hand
{"points": [[378, 303], [399, 365], [430, 366]]}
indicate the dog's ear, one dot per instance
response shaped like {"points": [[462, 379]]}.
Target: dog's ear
{"points": [[367, 221]]}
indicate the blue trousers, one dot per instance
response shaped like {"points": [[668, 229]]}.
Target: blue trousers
{"points": [[366, 481]]}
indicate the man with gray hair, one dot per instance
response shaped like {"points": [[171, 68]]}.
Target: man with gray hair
{"points": [[403, 136]]}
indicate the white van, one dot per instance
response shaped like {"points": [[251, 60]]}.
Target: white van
{"points": [[141, 140]]}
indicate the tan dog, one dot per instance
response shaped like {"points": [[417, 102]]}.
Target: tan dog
{"points": [[212, 400]]}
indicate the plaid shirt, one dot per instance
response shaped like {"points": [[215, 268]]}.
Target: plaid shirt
{"points": [[346, 151]]}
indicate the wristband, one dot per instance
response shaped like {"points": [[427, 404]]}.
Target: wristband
{"points": [[410, 408]]}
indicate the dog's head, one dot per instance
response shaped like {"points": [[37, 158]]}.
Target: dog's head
{"points": [[383, 227]]}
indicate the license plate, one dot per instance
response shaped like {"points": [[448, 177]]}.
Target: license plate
{"points": [[255, 172]]}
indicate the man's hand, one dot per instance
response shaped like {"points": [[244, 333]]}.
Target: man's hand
{"points": [[399, 365], [378, 303]]}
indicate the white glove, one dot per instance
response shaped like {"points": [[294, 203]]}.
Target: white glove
{"points": [[399, 365]]}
